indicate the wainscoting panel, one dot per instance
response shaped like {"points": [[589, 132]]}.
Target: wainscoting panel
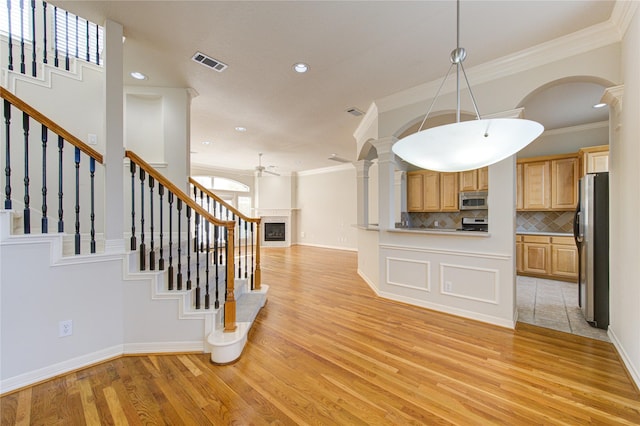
{"points": [[408, 273], [472, 283]]}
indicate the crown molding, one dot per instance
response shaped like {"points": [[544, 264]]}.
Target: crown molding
{"points": [[575, 129], [591, 38], [622, 14], [332, 169]]}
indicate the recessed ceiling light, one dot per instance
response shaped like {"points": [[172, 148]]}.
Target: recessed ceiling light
{"points": [[206, 142], [300, 67], [600, 105], [138, 75], [241, 129]]}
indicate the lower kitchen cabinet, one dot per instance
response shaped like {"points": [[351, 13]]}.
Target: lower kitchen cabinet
{"points": [[552, 257]]}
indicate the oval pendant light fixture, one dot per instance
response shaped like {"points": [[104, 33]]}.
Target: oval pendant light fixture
{"points": [[465, 145]]}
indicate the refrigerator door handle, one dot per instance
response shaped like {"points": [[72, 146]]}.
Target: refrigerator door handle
{"points": [[577, 235]]}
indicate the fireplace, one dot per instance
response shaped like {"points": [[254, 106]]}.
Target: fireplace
{"points": [[274, 231]]}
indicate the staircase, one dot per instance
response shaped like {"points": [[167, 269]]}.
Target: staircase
{"points": [[124, 295]]}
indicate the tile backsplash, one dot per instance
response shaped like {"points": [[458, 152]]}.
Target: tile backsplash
{"points": [[525, 221], [544, 222], [439, 220]]}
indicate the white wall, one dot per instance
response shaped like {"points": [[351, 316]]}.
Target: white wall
{"points": [[625, 204], [274, 192], [327, 208]]}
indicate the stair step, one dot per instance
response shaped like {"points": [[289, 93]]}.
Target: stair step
{"points": [[248, 306]]}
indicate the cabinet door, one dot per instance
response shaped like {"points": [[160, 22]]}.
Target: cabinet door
{"points": [[564, 261], [519, 187], [536, 258], [536, 185], [597, 162], [519, 254], [564, 178], [449, 192], [483, 179], [431, 193], [414, 192], [468, 180]]}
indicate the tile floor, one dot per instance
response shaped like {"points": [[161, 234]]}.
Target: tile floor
{"points": [[553, 304]]}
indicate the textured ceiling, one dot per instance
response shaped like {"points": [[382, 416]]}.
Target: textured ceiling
{"points": [[358, 51]]}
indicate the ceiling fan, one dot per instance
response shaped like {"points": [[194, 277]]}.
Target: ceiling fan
{"points": [[262, 169]]}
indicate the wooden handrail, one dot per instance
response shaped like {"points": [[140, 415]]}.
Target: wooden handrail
{"points": [[50, 124], [228, 206], [178, 192]]}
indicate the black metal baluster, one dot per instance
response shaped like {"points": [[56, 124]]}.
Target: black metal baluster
{"points": [[207, 298], [45, 221], [143, 249], [161, 261], [197, 253], [56, 59], [132, 168], [170, 271], [195, 239], [44, 32], [179, 276], [77, 37], [27, 209], [92, 173], [66, 40], [188, 248], [88, 43], [246, 256], [33, 39], [239, 232], [152, 252], [10, 41], [216, 304], [201, 239], [97, 45], [60, 193], [77, 236], [22, 45], [252, 259], [7, 167]]}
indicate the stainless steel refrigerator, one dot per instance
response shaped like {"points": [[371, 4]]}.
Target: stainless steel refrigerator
{"points": [[591, 232]]}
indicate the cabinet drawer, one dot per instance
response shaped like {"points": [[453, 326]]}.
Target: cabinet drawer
{"points": [[569, 241], [542, 239]]}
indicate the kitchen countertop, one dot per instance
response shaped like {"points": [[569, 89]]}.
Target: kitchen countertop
{"points": [[551, 234], [440, 231]]}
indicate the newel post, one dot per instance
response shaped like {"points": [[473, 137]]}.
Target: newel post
{"points": [[229, 301], [258, 273]]}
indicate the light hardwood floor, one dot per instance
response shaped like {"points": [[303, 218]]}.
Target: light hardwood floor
{"points": [[325, 350]]}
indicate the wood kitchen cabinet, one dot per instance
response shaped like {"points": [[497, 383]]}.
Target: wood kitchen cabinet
{"points": [[474, 180], [536, 254], [594, 159], [430, 191], [552, 257], [536, 185], [564, 258], [564, 181], [547, 183]]}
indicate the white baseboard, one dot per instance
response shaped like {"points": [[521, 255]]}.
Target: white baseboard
{"points": [[163, 347], [626, 359], [54, 370], [326, 246]]}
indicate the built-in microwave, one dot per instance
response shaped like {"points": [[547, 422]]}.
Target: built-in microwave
{"points": [[475, 200]]}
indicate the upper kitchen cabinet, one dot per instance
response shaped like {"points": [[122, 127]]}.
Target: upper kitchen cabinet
{"points": [[474, 180], [594, 159], [547, 183], [429, 191]]}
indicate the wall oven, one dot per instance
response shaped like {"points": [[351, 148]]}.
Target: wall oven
{"points": [[476, 200]]}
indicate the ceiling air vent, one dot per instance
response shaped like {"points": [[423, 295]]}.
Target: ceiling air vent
{"points": [[208, 61], [355, 112]]}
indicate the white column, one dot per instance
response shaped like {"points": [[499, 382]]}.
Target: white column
{"points": [[114, 134], [386, 182], [362, 171]]}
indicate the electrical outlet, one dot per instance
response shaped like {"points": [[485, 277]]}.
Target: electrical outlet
{"points": [[92, 139], [447, 286], [65, 328], [302, 234]]}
